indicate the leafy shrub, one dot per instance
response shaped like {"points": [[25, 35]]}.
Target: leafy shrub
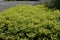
{"points": [[27, 22]]}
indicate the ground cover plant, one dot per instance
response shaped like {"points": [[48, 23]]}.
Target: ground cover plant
{"points": [[27, 22]]}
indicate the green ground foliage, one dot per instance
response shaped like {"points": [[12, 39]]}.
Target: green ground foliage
{"points": [[27, 22]]}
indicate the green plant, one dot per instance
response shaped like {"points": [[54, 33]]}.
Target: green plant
{"points": [[27, 22]]}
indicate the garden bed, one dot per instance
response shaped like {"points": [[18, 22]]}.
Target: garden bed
{"points": [[28, 22]]}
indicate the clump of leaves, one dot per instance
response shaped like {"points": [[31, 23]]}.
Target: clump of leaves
{"points": [[27, 22]]}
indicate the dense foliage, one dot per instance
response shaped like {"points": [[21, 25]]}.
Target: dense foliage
{"points": [[27, 22]]}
